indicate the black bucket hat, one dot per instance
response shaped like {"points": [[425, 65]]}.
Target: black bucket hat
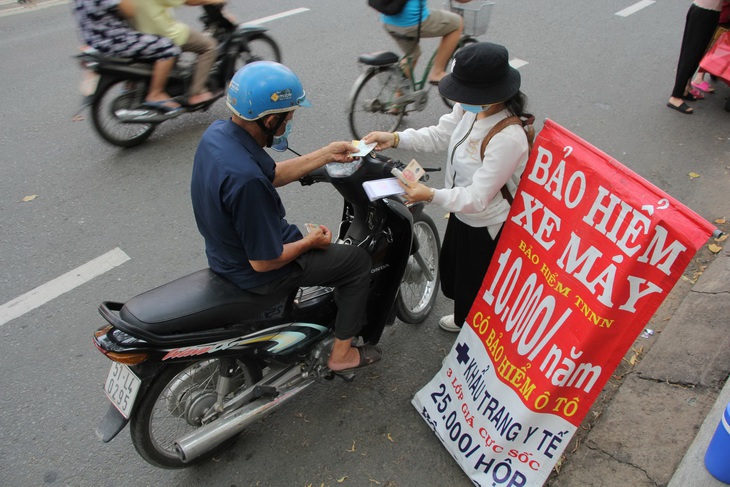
{"points": [[481, 76]]}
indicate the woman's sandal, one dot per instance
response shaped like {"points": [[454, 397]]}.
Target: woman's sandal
{"points": [[683, 108], [690, 96], [704, 86]]}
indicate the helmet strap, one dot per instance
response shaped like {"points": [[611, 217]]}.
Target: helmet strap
{"points": [[270, 133]]}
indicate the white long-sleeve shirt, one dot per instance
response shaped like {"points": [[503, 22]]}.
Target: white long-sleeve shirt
{"points": [[472, 185]]}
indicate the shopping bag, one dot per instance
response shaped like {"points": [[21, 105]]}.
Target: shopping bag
{"points": [[717, 59]]}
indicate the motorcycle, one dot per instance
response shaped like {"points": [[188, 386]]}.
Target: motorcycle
{"points": [[117, 110], [197, 360]]}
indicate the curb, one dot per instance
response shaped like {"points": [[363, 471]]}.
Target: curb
{"points": [[658, 420]]}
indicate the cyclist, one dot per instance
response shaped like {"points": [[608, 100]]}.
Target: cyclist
{"points": [[404, 29], [241, 217]]}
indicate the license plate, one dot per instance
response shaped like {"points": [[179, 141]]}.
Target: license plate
{"points": [[121, 388]]}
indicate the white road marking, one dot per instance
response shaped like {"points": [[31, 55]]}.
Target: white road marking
{"points": [[62, 284], [634, 8], [518, 63], [288, 13]]}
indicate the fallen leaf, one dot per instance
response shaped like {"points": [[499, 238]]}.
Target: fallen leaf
{"points": [[720, 221], [390, 438], [721, 238], [342, 479], [30, 198], [714, 248], [693, 175], [353, 446]]}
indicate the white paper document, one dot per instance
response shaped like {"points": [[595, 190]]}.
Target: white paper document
{"points": [[381, 188], [363, 149]]}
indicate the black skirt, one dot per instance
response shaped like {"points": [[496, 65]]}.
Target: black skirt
{"points": [[465, 256]]}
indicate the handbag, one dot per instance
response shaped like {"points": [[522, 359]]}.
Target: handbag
{"points": [[717, 59], [388, 7]]}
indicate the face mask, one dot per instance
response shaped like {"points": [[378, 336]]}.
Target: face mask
{"points": [[475, 108], [280, 142]]}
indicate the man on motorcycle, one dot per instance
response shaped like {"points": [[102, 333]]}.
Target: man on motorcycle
{"points": [[241, 217], [103, 26], [156, 17]]}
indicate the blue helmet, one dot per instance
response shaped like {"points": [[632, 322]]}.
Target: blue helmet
{"points": [[264, 87]]}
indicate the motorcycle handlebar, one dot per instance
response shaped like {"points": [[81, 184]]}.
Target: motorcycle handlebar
{"points": [[320, 175], [316, 176]]}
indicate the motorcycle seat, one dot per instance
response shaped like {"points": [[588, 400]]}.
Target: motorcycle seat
{"points": [[200, 301], [93, 53]]}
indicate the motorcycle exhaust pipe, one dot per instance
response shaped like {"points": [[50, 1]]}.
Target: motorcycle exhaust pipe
{"points": [[145, 116], [205, 438]]}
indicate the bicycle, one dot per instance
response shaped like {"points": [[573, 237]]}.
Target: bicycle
{"points": [[388, 89]]}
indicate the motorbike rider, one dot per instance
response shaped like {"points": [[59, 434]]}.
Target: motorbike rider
{"points": [[103, 26], [157, 17], [241, 216]]}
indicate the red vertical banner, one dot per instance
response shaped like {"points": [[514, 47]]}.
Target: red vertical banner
{"points": [[588, 253]]}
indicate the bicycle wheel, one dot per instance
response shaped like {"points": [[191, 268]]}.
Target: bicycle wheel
{"points": [[465, 41], [373, 104], [417, 294], [112, 100]]}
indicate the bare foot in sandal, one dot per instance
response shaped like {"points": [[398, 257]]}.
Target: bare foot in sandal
{"points": [[679, 105], [345, 357]]}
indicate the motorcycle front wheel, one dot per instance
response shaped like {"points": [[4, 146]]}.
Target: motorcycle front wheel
{"points": [[261, 47], [117, 96], [175, 404], [417, 293]]}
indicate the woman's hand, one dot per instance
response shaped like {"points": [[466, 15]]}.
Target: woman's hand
{"points": [[385, 140], [417, 192]]}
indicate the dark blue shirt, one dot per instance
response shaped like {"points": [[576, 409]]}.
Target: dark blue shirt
{"points": [[237, 207]]}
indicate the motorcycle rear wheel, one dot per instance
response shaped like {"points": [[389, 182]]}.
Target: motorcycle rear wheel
{"points": [[174, 404], [417, 294], [123, 94]]}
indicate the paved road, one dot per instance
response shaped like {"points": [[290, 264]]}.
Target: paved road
{"points": [[602, 76]]}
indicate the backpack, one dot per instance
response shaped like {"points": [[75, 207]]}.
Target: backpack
{"points": [[388, 7], [526, 123]]}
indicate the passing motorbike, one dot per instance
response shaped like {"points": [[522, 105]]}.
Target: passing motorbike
{"points": [[197, 360], [118, 113]]}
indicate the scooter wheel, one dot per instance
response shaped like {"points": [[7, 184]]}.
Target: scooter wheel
{"points": [[418, 293], [175, 403], [109, 102]]}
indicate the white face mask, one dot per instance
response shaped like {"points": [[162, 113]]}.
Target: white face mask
{"points": [[476, 108]]}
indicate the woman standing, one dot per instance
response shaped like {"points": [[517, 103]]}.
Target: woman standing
{"points": [[702, 19], [487, 91]]}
